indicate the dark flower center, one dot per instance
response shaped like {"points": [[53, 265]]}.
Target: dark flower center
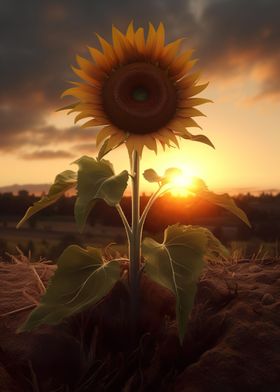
{"points": [[140, 94], [139, 98]]}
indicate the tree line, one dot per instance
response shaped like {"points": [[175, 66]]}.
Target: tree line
{"points": [[263, 212]]}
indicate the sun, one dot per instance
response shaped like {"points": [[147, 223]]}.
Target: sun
{"points": [[181, 181]]}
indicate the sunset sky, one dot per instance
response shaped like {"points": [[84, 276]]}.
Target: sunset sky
{"points": [[238, 46]]}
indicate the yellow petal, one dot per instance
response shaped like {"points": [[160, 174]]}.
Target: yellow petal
{"points": [[188, 80], [116, 139], [104, 133], [94, 123], [179, 62], [90, 107], [150, 142], [81, 116], [130, 33], [151, 41], [163, 144], [169, 52], [191, 91], [118, 44], [91, 69], [100, 60], [139, 40], [82, 95], [108, 51], [167, 135], [176, 125], [88, 88], [159, 43], [184, 70], [70, 106], [190, 112], [189, 122], [128, 49], [86, 77], [130, 146], [188, 103], [134, 142]]}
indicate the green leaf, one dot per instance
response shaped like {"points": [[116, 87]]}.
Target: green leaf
{"points": [[224, 200], [81, 280], [215, 249], [97, 180], [151, 176], [177, 264], [62, 183]]}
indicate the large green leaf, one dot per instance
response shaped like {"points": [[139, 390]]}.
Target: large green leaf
{"points": [[80, 281], [97, 180], [223, 200], [177, 263], [62, 183]]}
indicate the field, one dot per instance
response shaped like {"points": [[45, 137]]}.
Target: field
{"points": [[232, 341], [50, 236]]}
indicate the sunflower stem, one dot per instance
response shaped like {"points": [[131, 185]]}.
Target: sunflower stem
{"points": [[125, 222], [135, 242], [151, 201]]}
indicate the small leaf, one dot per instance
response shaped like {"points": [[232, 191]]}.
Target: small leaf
{"points": [[62, 183], [81, 280], [97, 180], [151, 176], [177, 264]]}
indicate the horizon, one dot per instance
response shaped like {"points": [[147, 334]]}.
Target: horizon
{"points": [[39, 189]]}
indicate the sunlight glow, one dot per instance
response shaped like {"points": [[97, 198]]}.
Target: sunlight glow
{"points": [[180, 184]]}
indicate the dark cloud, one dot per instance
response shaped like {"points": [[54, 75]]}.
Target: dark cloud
{"points": [[39, 41], [21, 129], [242, 37], [47, 154], [86, 148]]}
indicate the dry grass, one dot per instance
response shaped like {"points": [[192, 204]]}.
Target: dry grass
{"points": [[22, 283]]}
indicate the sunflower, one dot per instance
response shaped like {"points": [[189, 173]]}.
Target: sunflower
{"points": [[138, 90]]}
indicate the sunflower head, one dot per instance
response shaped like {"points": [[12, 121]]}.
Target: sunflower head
{"points": [[138, 90]]}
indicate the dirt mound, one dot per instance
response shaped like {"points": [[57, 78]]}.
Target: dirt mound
{"points": [[232, 342]]}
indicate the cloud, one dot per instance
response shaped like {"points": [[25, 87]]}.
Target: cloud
{"points": [[47, 154], [87, 148], [241, 37]]}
